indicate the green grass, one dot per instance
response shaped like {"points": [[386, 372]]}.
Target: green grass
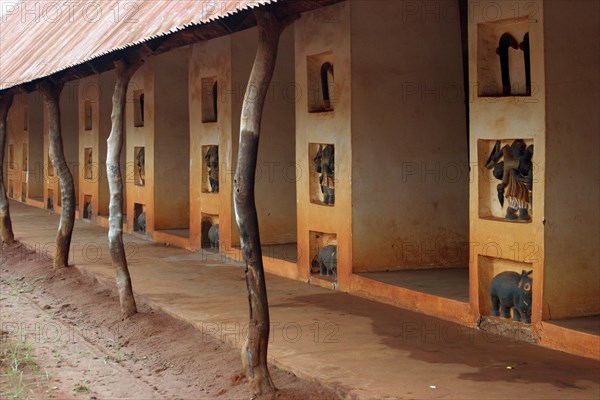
{"points": [[18, 371]]}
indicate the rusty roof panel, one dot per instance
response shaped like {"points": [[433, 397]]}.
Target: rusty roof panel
{"points": [[40, 38]]}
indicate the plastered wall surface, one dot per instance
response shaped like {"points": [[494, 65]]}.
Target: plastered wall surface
{"points": [[410, 172], [89, 139], [15, 175], [141, 136], [171, 140], [25, 137], [313, 37], [572, 215], [210, 59], [507, 118], [35, 142], [275, 189], [97, 91]]}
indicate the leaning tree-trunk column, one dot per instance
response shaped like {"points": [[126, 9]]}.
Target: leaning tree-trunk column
{"points": [[115, 184], [51, 94], [6, 231], [254, 351]]}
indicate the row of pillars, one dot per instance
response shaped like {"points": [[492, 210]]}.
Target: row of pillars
{"points": [[254, 351]]}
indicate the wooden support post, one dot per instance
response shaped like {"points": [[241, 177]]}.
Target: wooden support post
{"points": [[254, 351], [6, 99], [124, 72], [51, 94]]}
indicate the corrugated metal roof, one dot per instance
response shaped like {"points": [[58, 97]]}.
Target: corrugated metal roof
{"points": [[40, 38]]}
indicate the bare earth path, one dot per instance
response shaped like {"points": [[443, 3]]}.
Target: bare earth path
{"points": [[84, 350], [360, 348]]}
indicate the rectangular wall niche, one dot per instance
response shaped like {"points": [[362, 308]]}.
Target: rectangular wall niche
{"points": [[503, 60], [88, 162], [210, 99], [209, 231], [139, 167], [24, 192], [320, 83], [87, 207], [11, 156], [138, 108], [11, 189], [50, 200], [323, 255], [25, 157], [506, 173], [139, 218], [210, 169], [322, 173], [87, 115], [488, 268]]}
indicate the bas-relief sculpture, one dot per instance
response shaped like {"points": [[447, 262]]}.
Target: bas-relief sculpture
{"points": [[325, 263], [88, 166], [213, 236], [325, 164], [140, 161], [512, 290], [212, 163], [513, 166]]}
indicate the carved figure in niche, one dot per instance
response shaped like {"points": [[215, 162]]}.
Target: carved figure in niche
{"points": [[215, 94], [213, 236], [506, 41], [88, 166], [212, 163], [512, 290], [87, 211], [324, 165], [142, 107], [516, 173], [141, 221], [524, 46], [326, 75], [325, 262], [141, 165]]}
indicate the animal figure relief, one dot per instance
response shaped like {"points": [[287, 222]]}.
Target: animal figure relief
{"points": [[512, 290], [212, 163], [325, 263], [516, 173], [325, 165], [141, 221], [213, 236], [141, 166], [87, 211]]}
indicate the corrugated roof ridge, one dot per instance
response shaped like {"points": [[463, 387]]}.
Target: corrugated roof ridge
{"points": [[20, 51]]}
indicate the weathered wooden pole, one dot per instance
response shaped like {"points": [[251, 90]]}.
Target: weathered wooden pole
{"points": [[254, 351], [6, 99], [124, 72], [51, 93]]}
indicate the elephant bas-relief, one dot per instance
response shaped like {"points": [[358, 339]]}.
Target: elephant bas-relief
{"points": [[512, 290]]}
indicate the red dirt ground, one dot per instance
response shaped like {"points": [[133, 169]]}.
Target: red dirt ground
{"points": [[87, 351]]}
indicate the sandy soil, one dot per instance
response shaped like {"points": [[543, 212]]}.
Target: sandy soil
{"points": [[86, 351]]}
